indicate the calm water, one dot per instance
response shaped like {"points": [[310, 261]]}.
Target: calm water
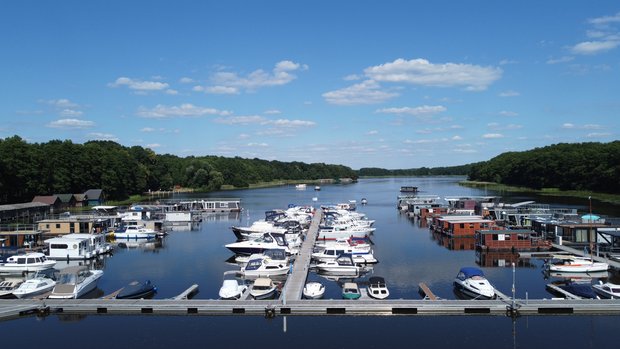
{"points": [[408, 254]]}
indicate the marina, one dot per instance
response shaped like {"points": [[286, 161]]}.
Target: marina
{"points": [[395, 238]]}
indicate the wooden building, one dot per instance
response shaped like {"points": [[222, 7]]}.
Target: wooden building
{"points": [[510, 240]]}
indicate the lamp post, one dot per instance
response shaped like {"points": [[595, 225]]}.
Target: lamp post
{"points": [[513, 286]]}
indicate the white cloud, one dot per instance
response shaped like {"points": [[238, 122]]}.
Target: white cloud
{"points": [[605, 19], [219, 90], [292, 123], [568, 125], [153, 145], [186, 80], [71, 113], [598, 135], [493, 135], [372, 132], [507, 61], [457, 138], [184, 110], [258, 145], [594, 47], [352, 77], [147, 129], [422, 72], [172, 92], [60, 103], [243, 136], [563, 59], [272, 112], [281, 74], [416, 111], [509, 93], [71, 124], [103, 136], [241, 120], [366, 92], [139, 85], [508, 113]]}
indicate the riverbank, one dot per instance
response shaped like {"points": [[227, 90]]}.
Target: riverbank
{"points": [[603, 197]]}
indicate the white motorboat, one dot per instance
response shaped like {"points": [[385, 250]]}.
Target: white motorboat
{"points": [[575, 264], [75, 282], [263, 288], [232, 288], [257, 228], [344, 231], [471, 282], [267, 241], [359, 256], [343, 265], [360, 245], [8, 286], [263, 266], [607, 290], [26, 263], [271, 256], [313, 290], [34, 287], [135, 232], [377, 288]]}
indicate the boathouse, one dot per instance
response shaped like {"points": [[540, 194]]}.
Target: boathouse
{"points": [[23, 212], [19, 235], [510, 240]]}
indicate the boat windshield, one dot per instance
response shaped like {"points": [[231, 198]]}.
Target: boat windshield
{"points": [[254, 264], [67, 279]]}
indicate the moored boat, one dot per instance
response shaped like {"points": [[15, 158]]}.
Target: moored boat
{"points": [[75, 282], [26, 263], [137, 290], [263, 288], [471, 282], [343, 265], [575, 264], [34, 287], [350, 290], [377, 288], [135, 232], [607, 290], [313, 290], [232, 288]]}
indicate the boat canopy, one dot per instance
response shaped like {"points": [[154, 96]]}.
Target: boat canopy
{"points": [[376, 280], [590, 217], [471, 271]]}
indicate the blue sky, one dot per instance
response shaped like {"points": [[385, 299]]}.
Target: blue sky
{"points": [[392, 84]]}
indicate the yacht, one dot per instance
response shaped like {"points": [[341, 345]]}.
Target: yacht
{"points": [[377, 288], [74, 282], [343, 265], [137, 290], [607, 290], [264, 267], [471, 281], [7, 286], [575, 264], [25, 263], [34, 287], [313, 290], [360, 256], [135, 232], [271, 256], [360, 245], [263, 288], [267, 241], [344, 231], [350, 290], [232, 288]]}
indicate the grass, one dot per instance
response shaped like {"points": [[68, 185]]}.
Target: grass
{"points": [[604, 197]]}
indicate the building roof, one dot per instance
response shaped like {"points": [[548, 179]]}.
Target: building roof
{"points": [[22, 206], [46, 199], [79, 197], [64, 198], [93, 194]]}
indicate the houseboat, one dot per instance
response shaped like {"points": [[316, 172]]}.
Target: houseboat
{"points": [[77, 246], [510, 240]]}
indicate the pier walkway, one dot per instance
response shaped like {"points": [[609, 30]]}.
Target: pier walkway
{"points": [[297, 279]]}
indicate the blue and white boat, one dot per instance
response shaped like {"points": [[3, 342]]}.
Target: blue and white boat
{"points": [[135, 232], [471, 282], [267, 241]]}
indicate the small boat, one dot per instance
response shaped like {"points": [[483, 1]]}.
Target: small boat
{"points": [[7, 287], [232, 289], [314, 290], [137, 290], [607, 290], [264, 267], [267, 241], [74, 282], [135, 232], [350, 290], [263, 288], [26, 263], [364, 201], [300, 186], [343, 265], [471, 282], [34, 287], [377, 288], [575, 264], [317, 188], [580, 289]]}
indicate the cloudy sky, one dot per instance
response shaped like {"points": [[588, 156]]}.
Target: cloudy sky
{"points": [[392, 84]]}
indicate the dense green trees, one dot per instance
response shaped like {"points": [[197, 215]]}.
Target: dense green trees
{"points": [[422, 171], [576, 166], [57, 166]]}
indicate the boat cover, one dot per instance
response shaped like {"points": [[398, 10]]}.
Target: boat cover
{"points": [[471, 271]]}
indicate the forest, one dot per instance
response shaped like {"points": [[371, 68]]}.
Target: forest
{"points": [[422, 171], [54, 167], [575, 166]]}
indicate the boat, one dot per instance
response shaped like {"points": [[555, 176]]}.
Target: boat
{"points": [[317, 188], [135, 232], [364, 201], [231, 288], [575, 264], [313, 290], [7, 287], [272, 256], [580, 289], [360, 245], [350, 290], [137, 290], [342, 265], [36, 286], [360, 256], [263, 288], [77, 246], [264, 266], [75, 282], [377, 288], [26, 263], [300, 186], [471, 282], [607, 290], [344, 231], [267, 241]]}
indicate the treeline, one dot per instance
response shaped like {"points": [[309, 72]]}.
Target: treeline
{"points": [[577, 166], [29, 169], [422, 171]]}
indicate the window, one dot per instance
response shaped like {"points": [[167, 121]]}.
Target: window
{"points": [[57, 225]]}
